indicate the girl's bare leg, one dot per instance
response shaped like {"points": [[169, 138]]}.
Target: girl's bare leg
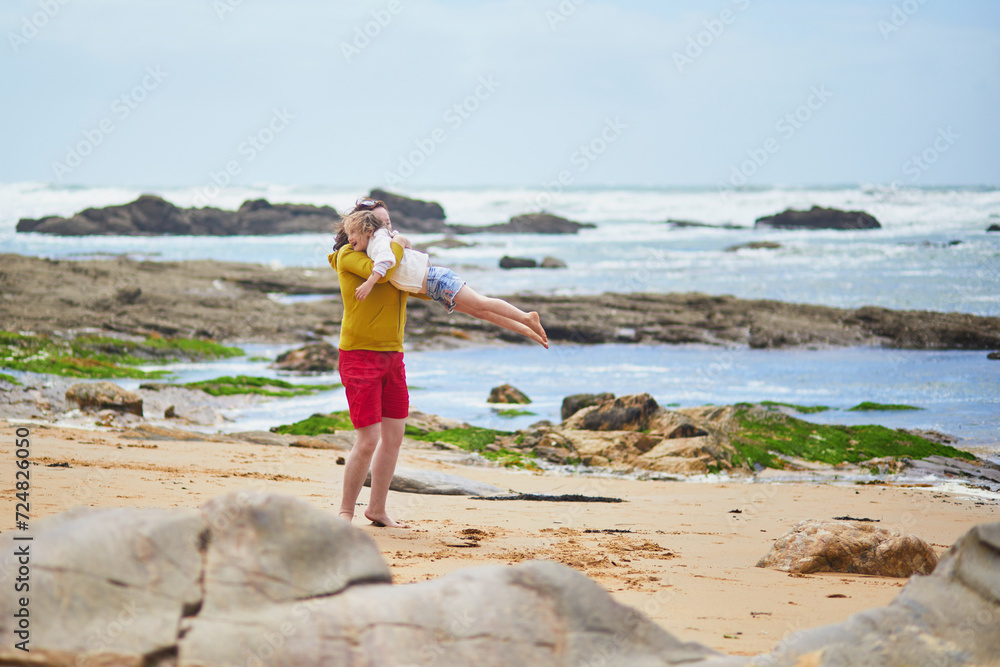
{"points": [[505, 322], [383, 466], [498, 311]]}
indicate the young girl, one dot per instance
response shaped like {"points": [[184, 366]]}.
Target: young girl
{"points": [[368, 232]]}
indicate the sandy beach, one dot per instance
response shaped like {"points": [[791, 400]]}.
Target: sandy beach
{"points": [[678, 551]]}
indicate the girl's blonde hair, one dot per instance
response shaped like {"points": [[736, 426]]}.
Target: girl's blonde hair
{"points": [[362, 222]]}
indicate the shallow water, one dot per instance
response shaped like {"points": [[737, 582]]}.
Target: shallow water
{"points": [[959, 392]]}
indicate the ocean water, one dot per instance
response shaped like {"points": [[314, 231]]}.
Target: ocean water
{"points": [[933, 253], [911, 263]]}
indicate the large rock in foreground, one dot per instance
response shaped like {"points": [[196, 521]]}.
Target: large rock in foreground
{"points": [[260, 579], [150, 215], [850, 547], [819, 218], [948, 618]]}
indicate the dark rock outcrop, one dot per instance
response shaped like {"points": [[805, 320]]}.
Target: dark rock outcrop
{"points": [[506, 393], [849, 546], [412, 215], [626, 413], [150, 215], [507, 262], [819, 218], [313, 358], [94, 396], [408, 207], [527, 223], [552, 263], [573, 404], [993, 228]]}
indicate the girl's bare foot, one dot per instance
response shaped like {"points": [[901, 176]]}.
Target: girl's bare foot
{"points": [[535, 323], [346, 516], [538, 339], [383, 521]]}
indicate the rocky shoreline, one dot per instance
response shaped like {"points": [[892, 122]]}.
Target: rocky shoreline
{"points": [[235, 302]]}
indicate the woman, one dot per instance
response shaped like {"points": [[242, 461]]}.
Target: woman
{"points": [[371, 368]]}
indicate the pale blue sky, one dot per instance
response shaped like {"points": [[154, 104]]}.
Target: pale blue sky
{"points": [[328, 111]]}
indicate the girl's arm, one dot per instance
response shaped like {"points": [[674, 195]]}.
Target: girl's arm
{"points": [[361, 293], [359, 264], [402, 240]]}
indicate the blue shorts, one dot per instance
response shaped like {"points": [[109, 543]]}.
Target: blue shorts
{"points": [[443, 285]]}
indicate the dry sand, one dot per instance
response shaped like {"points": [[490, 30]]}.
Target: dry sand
{"points": [[687, 562]]}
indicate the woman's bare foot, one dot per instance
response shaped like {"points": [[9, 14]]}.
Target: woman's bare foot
{"points": [[535, 323], [383, 521], [346, 516]]}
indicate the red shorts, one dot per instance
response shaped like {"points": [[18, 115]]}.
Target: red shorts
{"points": [[375, 383]]}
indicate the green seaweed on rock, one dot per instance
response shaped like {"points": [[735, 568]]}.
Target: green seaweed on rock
{"points": [[246, 384], [102, 356], [804, 409], [868, 406], [318, 424], [762, 436], [479, 440], [512, 412]]}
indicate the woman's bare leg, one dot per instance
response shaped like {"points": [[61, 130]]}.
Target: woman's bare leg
{"points": [[356, 469], [480, 306], [383, 467]]}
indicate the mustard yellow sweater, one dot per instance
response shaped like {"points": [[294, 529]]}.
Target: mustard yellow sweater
{"points": [[376, 323]]}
